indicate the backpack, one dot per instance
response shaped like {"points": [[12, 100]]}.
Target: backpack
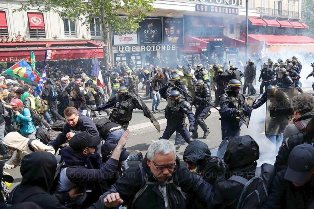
{"points": [[254, 194], [43, 135], [41, 106]]}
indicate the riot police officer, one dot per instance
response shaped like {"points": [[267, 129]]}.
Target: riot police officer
{"points": [[176, 111], [233, 110], [266, 77], [283, 79], [175, 83], [221, 79], [123, 105], [202, 104]]}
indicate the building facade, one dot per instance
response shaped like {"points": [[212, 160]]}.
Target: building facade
{"points": [[177, 32]]}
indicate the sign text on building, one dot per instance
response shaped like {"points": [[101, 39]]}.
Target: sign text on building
{"points": [[224, 2], [216, 9], [146, 48]]}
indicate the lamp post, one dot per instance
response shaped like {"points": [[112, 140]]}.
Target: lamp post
{"points": [[246, 28]]}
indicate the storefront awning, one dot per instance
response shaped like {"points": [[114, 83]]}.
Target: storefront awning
{"points": [[59, 51], [257, 21], [36, 20], [305, 25], [3, 20], [296, 24], [280, 39], [285, 24], [272, 23]]}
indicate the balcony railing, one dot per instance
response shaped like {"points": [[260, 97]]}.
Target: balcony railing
{"points": [[277, 13]]}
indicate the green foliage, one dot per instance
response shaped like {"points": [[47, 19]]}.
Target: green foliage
{"points": [[308, 14], [119, 15]]}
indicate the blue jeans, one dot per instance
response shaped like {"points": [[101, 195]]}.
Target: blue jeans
{"points": [[156, 100], [47, 117], [114, 136]]}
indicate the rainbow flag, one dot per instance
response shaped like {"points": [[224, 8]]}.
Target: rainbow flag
{"points": [[23, 71]]}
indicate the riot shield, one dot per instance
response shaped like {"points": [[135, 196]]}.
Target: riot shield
{"points": [[278, 109], [147, 112]]}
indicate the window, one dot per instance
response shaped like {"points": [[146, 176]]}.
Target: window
{"points": [[95, 27], [69, 27], [36, 25], [37, 33], [3, 24], [4, 32], [231, 29]]}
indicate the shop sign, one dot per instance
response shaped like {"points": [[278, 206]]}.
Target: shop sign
{"points": [[146, 48], [216, 9], [11, 59], [224, 2], [125, 39]]}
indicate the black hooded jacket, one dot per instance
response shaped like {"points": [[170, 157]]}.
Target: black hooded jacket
{"points": [[38, 170], [81, 170], [190, 184]]}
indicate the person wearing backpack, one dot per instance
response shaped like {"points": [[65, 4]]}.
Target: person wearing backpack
{"points": [[22, 146], [160, 181], [293, 188], [50, 94], [242, 187], [23, 118]]}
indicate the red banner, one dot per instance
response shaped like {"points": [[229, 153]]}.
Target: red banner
{"points": [[3, 20], [36, 20]]}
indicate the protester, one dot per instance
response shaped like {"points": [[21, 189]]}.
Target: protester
{"points": [[167, 179], [21, 146], [294, 187], [74, 123]]}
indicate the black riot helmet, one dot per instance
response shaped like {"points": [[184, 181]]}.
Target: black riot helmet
{"points": [[271, 90], [122, 93], [234, 85], [89, 83], [174, 77], [173, 97]]}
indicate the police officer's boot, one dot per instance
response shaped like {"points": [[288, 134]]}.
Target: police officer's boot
{"points": [[205, 129], [194, 133]]}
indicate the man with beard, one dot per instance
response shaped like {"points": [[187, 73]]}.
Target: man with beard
{"points": [[159, 182]]}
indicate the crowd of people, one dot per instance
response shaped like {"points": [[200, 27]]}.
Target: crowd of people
{"points": [[87, 165]]}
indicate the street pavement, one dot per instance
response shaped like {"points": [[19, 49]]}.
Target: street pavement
{"points": [[142, 133]]}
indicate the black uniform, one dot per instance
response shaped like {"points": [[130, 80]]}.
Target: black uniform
{"points": [[267, 77], [231, 108], [249, 75], [202, 104], [175, 113], [122, 109]]}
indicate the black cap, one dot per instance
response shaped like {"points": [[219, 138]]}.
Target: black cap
{"points": [[300, 164], [82, 140]]}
